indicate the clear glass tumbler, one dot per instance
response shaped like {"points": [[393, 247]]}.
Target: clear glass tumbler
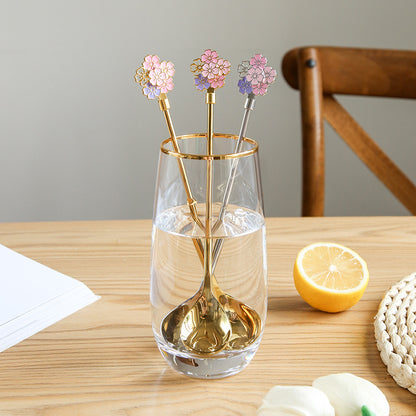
{"points": [[208, 270]]}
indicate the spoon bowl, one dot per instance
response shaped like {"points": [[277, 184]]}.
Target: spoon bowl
{"points": [[200, 324], [205, 329], [209, 322]]}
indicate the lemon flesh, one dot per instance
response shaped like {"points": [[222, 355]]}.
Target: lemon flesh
{"points": [[330, 277]]}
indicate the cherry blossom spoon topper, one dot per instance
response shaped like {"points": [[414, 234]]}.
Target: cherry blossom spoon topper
{"points": [[255, 79], [210, 70], [255, 76], [155, 77]]}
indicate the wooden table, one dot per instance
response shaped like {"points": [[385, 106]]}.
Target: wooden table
{"points": [[103, 361]]}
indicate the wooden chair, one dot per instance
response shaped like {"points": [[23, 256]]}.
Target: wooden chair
{"points": [[318, 73]]}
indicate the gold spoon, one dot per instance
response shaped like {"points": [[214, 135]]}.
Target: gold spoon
{"points": [[210, 320], [204, 328]]}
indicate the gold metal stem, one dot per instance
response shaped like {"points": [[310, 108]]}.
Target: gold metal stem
{"points": [[165, 106], [210, 100]]}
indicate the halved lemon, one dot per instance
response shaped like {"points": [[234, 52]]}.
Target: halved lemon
{"points": [[330, 277]]}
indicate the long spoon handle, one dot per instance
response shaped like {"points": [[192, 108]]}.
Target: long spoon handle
{"points": [[248, 107], [210, 101], [165, 106]]}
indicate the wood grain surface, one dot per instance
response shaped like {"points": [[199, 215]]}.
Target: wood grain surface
{"points": [[103, 361]]}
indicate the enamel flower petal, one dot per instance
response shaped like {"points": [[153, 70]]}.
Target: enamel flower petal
{"points": [[196, 66], [218, 81], [142, 76], [210, 70], [201, 82], [151, 91], [269, 75], [209, 56], [243, 68], [223, 66], [167, 68], [260, 88], [258, 61], [151, 62], [244, 86], [155, 77], [255, 75], [166, 85]]}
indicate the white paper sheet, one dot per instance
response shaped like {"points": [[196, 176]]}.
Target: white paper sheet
{"points": [[33, 296]]}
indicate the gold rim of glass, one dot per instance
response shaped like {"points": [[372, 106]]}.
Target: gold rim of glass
{"points": [[181, 155]]}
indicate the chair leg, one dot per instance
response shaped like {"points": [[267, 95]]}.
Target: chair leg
{"points": [[313, 148]]}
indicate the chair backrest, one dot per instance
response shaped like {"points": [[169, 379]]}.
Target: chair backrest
{"points": [[318, 73]]}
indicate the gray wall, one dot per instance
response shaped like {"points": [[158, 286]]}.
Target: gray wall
{"points": [[79, 141]]}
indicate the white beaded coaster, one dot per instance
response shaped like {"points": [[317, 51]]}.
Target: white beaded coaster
{"points": [[395, 330]]}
